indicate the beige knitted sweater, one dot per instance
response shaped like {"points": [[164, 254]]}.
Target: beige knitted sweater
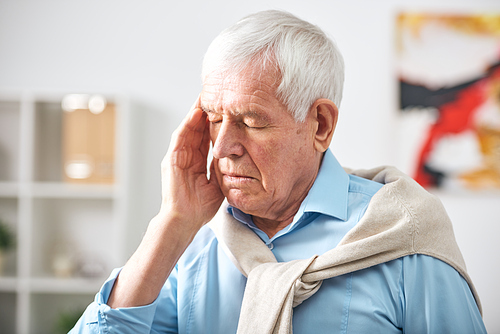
{"points": [[401, 219]]}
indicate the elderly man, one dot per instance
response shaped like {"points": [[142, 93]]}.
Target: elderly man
{"points": [[293, 242]]}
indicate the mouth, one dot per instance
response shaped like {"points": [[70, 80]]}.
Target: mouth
{"points": [[233, 179]]}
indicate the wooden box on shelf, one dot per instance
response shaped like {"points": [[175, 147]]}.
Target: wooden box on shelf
{"points": [[88, 139]]}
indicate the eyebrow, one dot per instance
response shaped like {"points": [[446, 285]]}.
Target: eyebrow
{"points": [[206, 110], [251, 113]]}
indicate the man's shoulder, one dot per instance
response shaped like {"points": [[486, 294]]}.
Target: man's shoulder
{"points": [[364, 186]]}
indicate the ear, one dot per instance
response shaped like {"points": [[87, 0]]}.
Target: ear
{"points": [[325, 113]]}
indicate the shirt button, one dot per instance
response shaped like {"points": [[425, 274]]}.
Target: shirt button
{"points": [[271, 246]]}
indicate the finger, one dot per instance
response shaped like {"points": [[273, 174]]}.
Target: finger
{"points": [[213, 176], [197, 103], [192, 126], [205, 143], [188, 119], [199, 127], [194, 119]]}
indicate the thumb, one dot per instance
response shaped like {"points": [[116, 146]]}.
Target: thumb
{"points": [[213, 176]]}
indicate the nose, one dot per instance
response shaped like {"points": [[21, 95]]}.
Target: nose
{"points": [[226, 139]]}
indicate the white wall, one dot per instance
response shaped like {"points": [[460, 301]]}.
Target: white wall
{"points": [[152, 50]]}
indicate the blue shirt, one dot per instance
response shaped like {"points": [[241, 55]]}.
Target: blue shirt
{"points": [[413, 294]]}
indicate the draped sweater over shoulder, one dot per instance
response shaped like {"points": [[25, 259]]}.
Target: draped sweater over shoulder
{"points": [[402, 219]]}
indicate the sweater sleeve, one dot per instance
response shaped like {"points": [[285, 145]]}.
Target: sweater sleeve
{"points": [[437, 299]]}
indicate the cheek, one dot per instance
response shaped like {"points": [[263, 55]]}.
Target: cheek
{"points": [[290, 156], [271, 158]]}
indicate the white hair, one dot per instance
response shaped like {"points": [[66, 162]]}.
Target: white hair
{"points": [[309, 63]]}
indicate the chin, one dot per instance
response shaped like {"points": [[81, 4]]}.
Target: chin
{"points": [[242, 203]]}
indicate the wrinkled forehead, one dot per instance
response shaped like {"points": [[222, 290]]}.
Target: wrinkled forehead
{"points": [[253, 84]]}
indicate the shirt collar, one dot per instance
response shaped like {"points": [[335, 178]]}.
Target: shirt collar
{"points": [[327, 196], [329, 193]]}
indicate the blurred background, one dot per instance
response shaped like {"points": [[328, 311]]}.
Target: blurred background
{"points": [[90, 92]]}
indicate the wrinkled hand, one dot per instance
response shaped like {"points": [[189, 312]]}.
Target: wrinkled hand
{"points": [[187, 192]]}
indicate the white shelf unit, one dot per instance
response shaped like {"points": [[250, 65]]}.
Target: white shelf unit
{"points": [[87, 221]]}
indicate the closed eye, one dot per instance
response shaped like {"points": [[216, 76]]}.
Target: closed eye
{"points": [[255, 123], [252, 126]]}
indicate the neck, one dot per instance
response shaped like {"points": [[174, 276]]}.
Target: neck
{"points": [[271, 227]]}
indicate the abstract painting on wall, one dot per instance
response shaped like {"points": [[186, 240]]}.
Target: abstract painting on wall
{"points": [[448, 68]]}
